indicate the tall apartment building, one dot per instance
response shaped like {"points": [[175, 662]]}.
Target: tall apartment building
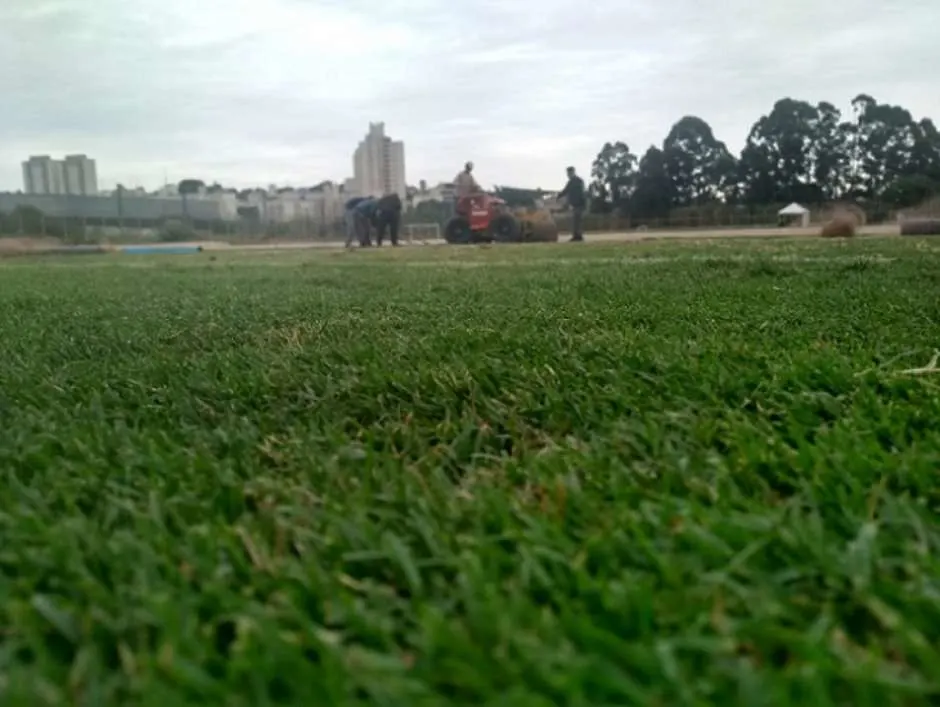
{"points": [[76, 174], [379, 164], [81, 175], [43, 175]]}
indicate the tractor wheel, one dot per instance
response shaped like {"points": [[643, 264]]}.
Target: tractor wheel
{"points": [[457, 231], [504, 229]]}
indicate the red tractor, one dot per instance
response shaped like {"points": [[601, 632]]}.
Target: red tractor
{"points": [[484, 218]]}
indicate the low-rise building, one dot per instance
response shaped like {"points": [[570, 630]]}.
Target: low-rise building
{"points": [[316, 207], [443, 192]]}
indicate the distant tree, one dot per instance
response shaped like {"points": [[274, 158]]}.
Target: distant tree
{"points": [[699, 165], [926, 152], [908, 191], [186, 188], [653, 196], [26, 220], [758, 174], [799, 151], [888, 145], [8, 225], [829, 152], [189, 186], [174, 231], [613, 175], [249, 213], [788, 150]]}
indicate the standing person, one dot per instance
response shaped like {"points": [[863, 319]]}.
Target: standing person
{"points": [[387, 216], [363, 213], [574, 193], [349, 216]]}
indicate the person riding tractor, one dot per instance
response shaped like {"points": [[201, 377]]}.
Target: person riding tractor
{"points": [[479, 217], [464, 182]]}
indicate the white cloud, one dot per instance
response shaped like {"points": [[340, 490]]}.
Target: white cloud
{"points": [[280, 91]]}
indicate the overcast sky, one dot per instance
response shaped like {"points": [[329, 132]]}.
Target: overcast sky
{"points": [[280, 91]]}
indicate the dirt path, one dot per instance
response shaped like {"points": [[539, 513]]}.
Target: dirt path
{"points": [[22, 246], [605, 237]]}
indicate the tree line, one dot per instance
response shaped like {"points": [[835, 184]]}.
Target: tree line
{"points": [[880, 157]]}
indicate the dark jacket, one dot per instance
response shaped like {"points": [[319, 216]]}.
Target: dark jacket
{"points": [[387, 211], [352, 203], [574, 192], [390, 204], [366, 207]]}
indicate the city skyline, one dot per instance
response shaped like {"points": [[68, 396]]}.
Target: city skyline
{"points": [[221, 90], [378, 168], [60, 188]]}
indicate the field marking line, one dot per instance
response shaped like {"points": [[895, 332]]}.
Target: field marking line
{"points": [[882, 366], [931, 367]]}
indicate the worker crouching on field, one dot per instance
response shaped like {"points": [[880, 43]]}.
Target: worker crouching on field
{"points": [[349, 217], [359, 217], [387, 217]]}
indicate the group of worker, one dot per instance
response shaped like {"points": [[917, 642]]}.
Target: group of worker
{"points": [[365, 214]]}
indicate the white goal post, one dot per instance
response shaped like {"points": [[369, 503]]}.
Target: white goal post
{"points": [[422, 232]]}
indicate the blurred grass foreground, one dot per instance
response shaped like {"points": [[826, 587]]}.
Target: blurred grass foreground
{"points": [[607, 475]]}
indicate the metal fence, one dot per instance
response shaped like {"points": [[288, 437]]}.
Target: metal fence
{"points": [[115, 208], [123, 218]]}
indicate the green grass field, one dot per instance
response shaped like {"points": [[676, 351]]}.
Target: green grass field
{"points": [[646, 474]]}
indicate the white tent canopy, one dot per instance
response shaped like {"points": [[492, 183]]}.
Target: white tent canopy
{"points": [[796, 214], [793, 209]]}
